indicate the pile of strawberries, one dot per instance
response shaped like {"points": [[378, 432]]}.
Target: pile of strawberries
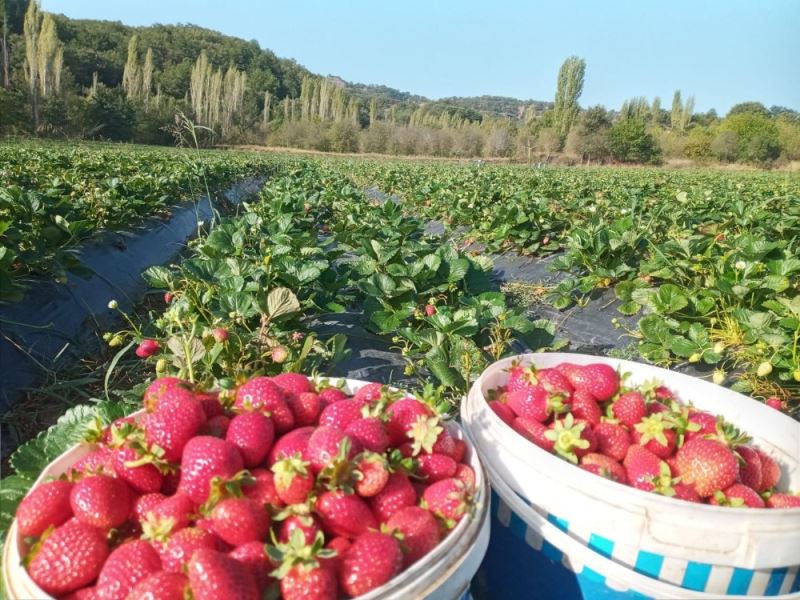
{"points": [[281, 487], [642, 436]]}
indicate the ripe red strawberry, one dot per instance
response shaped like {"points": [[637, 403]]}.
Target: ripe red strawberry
{"points": [[612, 440], [161, 586], [430, 310], [519, 377], [305, 407], [605, 466], [643, 468], [329, 395], [775, 402], [339, 545], [172, 427], [163, 387], [255, 560], [325, 444], [373, 474], [145, 504], [534, 432], [420, 532], [600, 380], [448, 499], [240, 520], [770, 471], [214, 575], [369, 433], [345, 515], [209, 402], [340, 414], [293, 479], [216, 427], [125, 567], [369, 394], [465, 474], [708, 465], [656, 434], [172, 513], [183, 544], [262, 394], [553, 381], [396, 494], [445, 444], [749, 467], [204, 458], [289, 444], [372, 560], [707, 425], [143, 478], [307, 525], [45, 505], [293, 384], [535, 403], [101, 501], [629, 408], [252, 433], [781, 500], [571, 439], [737, 495], [585, 407], [69, 558], [99, 460], [308, 582], [435, 467], [403, 414], [686, 493], [502, 410], [459, 450], [262, 490]]}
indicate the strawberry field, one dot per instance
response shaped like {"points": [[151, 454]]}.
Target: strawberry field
{"points": [[334, 259]]}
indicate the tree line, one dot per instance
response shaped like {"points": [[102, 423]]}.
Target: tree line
{"points": [[72, 78]]}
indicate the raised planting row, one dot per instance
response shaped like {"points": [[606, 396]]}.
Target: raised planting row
{"points": [[712, 259], [244, 299], [54, 196]]}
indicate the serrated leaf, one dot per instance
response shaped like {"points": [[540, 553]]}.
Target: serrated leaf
{"points": [[158, 277]]}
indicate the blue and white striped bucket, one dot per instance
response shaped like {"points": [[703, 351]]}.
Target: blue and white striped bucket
{"points": [[689, 547]]}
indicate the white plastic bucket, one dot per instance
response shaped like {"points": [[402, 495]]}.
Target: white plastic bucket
{"points": [[444, 574], [699, 547], [531, 557]]}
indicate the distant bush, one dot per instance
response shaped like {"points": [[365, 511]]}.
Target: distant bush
{"points": [[630, 142]]}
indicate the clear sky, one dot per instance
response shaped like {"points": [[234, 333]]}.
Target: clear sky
{"points": [[721, 51]]}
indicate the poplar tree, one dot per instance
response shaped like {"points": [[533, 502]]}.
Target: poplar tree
{"points": [[31, 33], [655, 110], [267, 102], [686, 113], [373, 111], [569, 89], [677, 111], [147, 74], [131, 75]]}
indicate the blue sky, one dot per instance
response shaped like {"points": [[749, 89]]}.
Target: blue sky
{"points": [[721, 51]]}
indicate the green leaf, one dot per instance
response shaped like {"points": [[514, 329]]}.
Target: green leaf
{"points": [[158, 277], [669, 299], [282, 302], [655, 329]]}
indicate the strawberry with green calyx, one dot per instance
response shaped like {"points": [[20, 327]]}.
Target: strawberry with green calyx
{"points": [[372, 560], [204, 458], [325, 445], [729, 434], [165, 387], [629, 408], [181, 545], [534, 402], [706, 424], [302, 570], [643, 468], [449, 500], [215, 575], [371, 474], [293, 384], [328, 394], [750, 468], [679, 416], [423, 433], [290, 444], [656, 434], [737, 495], [142, 470], [262, 489], [402, 415], [67, 558], [570, 438], [298, 517], [293, 479], [173, 426], [369, 433], [168, 516], [466, 474], [599, 379], [263, 395], [222, 488], [47, 505]]}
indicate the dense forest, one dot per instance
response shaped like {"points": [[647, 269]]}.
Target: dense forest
{"points": [[71, 78]]}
